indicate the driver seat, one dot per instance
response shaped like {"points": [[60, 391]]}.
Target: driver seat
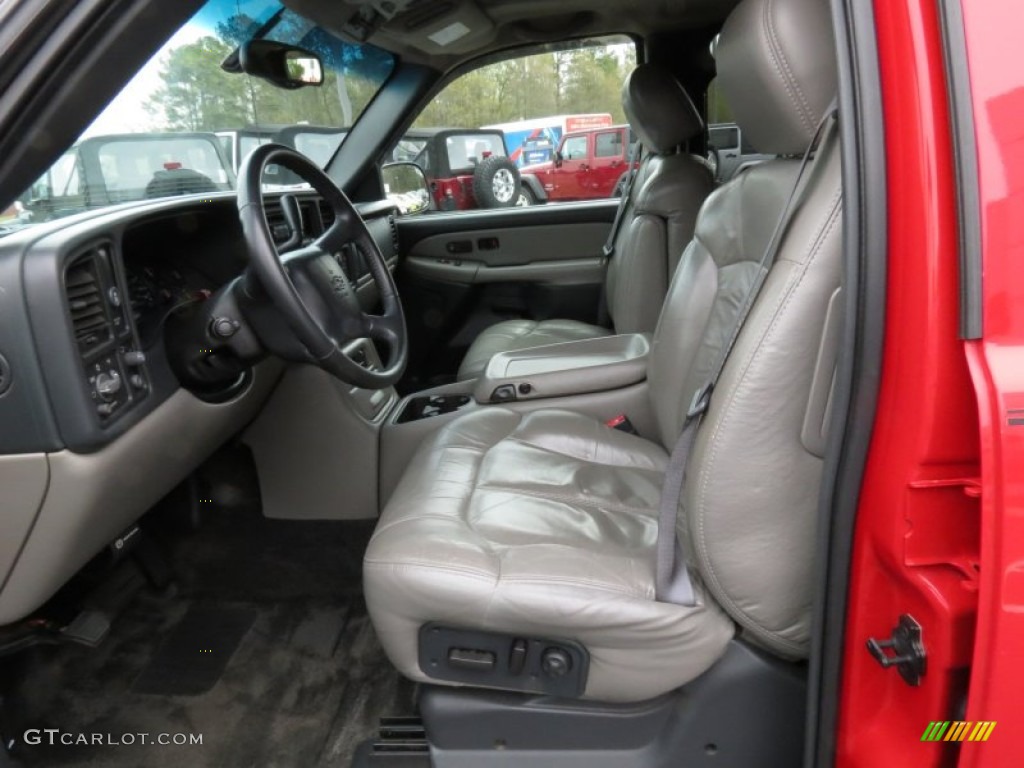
{"points": [[544, 524]]}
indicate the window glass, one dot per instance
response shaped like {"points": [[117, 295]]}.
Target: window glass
{"points": [[319, 147], [63, 177], [729, 148], [183, 123], [608, 144], [575, 148], [128, 166], [537, 110], [465, 151], [723, 137]]}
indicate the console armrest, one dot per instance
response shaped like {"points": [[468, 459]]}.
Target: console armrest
{"points": [[569, 368]]}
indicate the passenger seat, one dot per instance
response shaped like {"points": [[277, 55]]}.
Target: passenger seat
{"points": [[656, 227]]}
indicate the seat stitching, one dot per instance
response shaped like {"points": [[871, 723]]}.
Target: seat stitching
{"points": [[582, 583], [781, 64], [583, 502], [419, 517], [546, 449], [825, 229], [390, 564]]}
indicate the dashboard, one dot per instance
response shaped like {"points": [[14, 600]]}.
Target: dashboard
{"points": [[100, 290], [97, 427]]}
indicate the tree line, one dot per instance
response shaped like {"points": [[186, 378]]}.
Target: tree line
{"points": [[197, 95]]}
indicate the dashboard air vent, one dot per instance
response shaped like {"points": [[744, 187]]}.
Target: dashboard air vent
{"points": [[310, 218], [89, 320], [326, 213], [276, 222]]}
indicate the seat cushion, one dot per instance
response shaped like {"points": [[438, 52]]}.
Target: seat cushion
{"points": [[510, 335], [544, 525]]}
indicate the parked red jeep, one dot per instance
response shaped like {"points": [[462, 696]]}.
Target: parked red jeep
{"points": [[588, 165], [466, 167]]}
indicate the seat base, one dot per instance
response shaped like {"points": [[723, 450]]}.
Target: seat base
{"points": [[749, 708], [536, 526]]}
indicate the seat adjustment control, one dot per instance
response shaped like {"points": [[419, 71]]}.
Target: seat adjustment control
{"points": [[555, 662], [469, 658], [548, 665], [517, 657]]}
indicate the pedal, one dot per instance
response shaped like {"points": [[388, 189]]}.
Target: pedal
{"points": [[88, 628]]}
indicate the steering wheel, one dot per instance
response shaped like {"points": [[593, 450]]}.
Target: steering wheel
{"points": [[308, 286]]}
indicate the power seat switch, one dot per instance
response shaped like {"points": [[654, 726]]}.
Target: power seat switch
{"points": [[517, 658], [467, 658], [904, 650]]}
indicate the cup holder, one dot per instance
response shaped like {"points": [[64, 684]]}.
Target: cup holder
{"points": [[426, 407]]}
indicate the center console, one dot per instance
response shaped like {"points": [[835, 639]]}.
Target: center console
{"points": [[569, 368]]}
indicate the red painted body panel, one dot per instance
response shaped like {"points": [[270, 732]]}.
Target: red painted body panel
{"points": [[589, 178], [995, 32], [916, 545], [948, 550]]}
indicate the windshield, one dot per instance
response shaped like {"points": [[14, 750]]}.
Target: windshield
{"points": [[183, 125]]}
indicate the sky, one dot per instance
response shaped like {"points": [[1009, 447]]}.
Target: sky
{"points": [[127, 113]]}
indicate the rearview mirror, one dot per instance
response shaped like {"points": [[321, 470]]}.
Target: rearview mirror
{"points": [[283, 65], [406, 185], [558, 159]]}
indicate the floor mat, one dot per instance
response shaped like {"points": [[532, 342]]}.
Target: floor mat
{"points": [[305, 684], [191, 659]]}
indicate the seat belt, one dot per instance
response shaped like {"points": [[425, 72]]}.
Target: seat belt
{"points": [[672, 579], [634, 157]]}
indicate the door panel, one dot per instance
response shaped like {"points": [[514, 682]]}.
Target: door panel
{"points": [[463, 272]]}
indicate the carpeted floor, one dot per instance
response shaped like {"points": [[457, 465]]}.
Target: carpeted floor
{"points": [[301, 681]]}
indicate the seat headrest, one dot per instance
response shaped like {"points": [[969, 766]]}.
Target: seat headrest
{"points": [[658, 109], [776, 65]]}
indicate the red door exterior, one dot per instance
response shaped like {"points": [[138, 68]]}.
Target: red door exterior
{"points": [[571, 178], [940, 528], [995, 32]]}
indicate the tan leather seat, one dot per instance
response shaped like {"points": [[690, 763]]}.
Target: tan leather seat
{"points": [[656, 225], [545, 524]]}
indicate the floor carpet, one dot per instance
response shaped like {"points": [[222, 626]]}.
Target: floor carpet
{"points": [[301, 682]]}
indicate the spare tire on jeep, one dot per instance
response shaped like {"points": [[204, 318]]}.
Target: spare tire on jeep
{"points": [[496, 182]]}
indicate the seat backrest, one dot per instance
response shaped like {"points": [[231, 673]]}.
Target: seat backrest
{"points": [[751, 489], [669, 189]]}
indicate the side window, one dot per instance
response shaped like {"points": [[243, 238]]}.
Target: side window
{"points": [[724, 138], [64, 176], [728, 148], [608, 144], [516, 122], [575, 148]]}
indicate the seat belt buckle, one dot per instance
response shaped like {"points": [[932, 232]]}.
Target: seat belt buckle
{"points": [[608, 250], [622, 424], [700, 402]]}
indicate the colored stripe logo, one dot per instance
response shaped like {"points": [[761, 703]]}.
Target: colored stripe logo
{"points": [[958, 730]]}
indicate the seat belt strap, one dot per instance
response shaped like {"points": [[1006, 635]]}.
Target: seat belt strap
{"points": [[672, 579], [620, 212]]}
